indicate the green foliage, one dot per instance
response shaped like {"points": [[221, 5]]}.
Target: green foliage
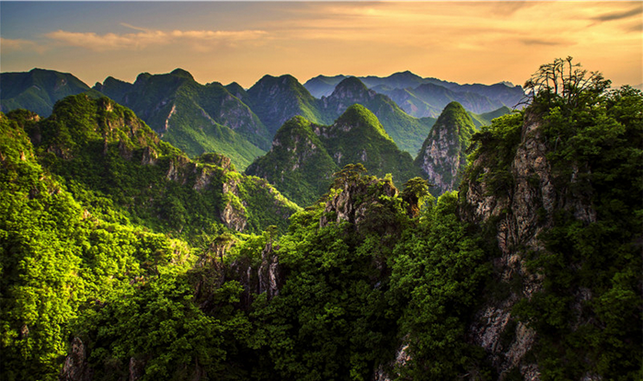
{"points": [[167, 333], [565, 85], [119, 169], [415, 194], [195, 118], [495, 147], [365, 276], [56, 260], [330, 319], [437, 273], [298, 165], [596, 155], [305, 156], [37, 90]]}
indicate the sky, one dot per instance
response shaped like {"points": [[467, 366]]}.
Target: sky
{"points": [[464, 42]]}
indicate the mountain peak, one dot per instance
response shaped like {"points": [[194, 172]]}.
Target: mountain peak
{"points": [[454, 111], [406, 74], [444, 151], [143, 77], [358, 116], [182, 73], [351, 83]]}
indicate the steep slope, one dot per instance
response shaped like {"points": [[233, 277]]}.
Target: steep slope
{"points": [[357, 136], [443, 156], [193, 117], [557, 193], [277, 99], [59, 259], [408, 132], [297, 164], [305, 155], [111, 160], [37, 90]]}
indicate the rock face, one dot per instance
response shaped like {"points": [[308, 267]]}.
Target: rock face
{"points": [[443, 156], [518, 215], [76, 367], [354, 199]]}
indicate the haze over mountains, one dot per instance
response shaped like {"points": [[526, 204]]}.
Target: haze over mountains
{"points": [[123, 257], [422, 97], [243, 124]]}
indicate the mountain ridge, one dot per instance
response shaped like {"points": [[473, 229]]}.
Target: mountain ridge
{"points": [[311, 153]]}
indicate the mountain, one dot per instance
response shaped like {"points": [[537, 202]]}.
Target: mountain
{"points": [[37, 90], [236, 122], [426, 97], [305, 156], [106, 155], [123, 259], [193, 117], [408, 132], [486, 118], [357, 136], [323, 86], [442, 157], [400, 80], [277, 99], [430, 99], [298, 164], [559, 201], [505, 93]]}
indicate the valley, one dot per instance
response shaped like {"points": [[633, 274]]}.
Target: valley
{"points": [[347, 228]]}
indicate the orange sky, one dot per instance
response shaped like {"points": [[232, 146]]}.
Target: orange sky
{"points": [[465, 42]]}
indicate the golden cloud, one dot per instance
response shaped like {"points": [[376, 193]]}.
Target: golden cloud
{"points": [[12, 45], [199, 39]]}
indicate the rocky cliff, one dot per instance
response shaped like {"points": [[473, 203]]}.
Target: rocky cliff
{"points": [[512, 212], [539, 189], [442, 156]]}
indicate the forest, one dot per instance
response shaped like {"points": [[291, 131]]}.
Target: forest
{"points": [[121, 258]]}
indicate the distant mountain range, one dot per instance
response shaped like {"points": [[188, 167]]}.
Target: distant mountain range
{"points": [[241, 123], [426, 97]]}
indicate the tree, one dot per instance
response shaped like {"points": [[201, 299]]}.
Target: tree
{"points": [[350, 173], [564, 83], [415, 194]]}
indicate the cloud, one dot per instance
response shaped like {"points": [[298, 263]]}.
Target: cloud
{"points": [[199, 39], [543, 42], [12, 45], [619, 15]]}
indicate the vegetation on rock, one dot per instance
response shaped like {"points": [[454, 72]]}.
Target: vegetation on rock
{"points": [[121, 258], [305, 155]]}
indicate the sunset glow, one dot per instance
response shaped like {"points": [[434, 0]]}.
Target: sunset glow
{"points": [[465, 42]]}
